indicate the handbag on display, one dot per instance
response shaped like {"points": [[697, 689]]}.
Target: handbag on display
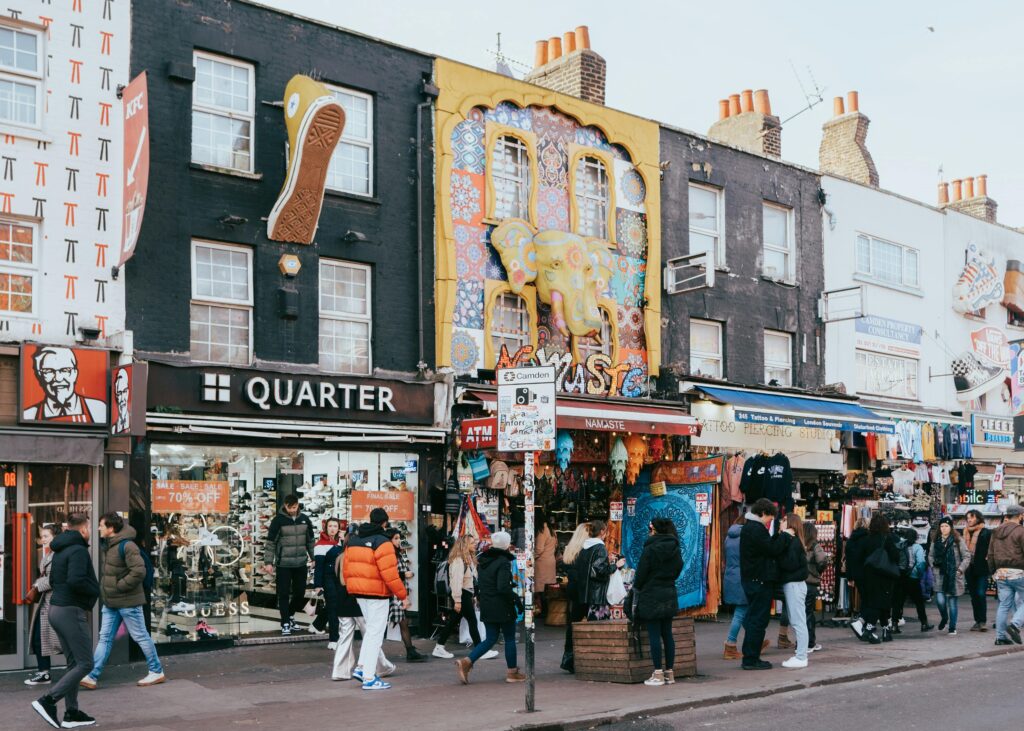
{"points": [[880, 562], [478, 464]]}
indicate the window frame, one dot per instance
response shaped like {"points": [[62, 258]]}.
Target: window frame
{"points": [[35, 78], [578, 153], [608, 309], [778, 365], [719, 235], [871, 353], [338, 316], [367, 143], [704, 355], [790, 274], [872, 275], [225, 302], [493, 131], [33, 270], [214, 110], [525, 183], [493, 289]]}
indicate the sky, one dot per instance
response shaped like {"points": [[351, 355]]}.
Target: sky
{"points": [[940, 80]]}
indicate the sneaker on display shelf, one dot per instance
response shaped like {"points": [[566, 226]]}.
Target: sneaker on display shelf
{"points": [[208, 538], [182, 608], [173, 630]]}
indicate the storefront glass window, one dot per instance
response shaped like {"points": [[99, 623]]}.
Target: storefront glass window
{"points": [[211, 507], [886, 375]]}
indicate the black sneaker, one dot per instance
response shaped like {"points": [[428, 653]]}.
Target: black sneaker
{"points": [[759, 665], [414, 655], [927, 627], [47, 708], [1013, 631], [1003, 642], [40, 678], [286, 628], [76, 718]]}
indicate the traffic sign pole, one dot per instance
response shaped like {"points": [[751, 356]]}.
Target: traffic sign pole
{"points": [[528, 624]]}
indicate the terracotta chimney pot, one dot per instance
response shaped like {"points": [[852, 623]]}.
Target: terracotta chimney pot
{"points": [[582, 37], [734, 104], [982, 186], [554, 48], [747, 100], [568, 42], [852, 101], [837, 107], [723, 108], [943, 194], [762, 103], [956, 190], [540, 56], [968, 188]]}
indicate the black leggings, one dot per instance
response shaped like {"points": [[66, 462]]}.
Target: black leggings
{"points": [[660, 633], [467, 613]]}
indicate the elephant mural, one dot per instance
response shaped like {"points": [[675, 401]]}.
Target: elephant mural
{"points": [[571, 273]]}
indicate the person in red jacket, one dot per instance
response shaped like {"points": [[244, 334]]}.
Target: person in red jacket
{"points": [[370, 569]]}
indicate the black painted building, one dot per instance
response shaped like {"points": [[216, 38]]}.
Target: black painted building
{"points": [[265, 382]]}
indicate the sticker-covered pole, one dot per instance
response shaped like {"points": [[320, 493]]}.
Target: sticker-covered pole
{"points": [[528, 592]]}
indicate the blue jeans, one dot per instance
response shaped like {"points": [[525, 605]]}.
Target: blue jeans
{"points": [[948, 607], [796, 601], [738, 615], [508, 629], [135, 621], [1011, 601]]}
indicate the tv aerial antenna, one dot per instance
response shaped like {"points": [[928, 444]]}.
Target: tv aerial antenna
{"points": [[813, 98], [506, 64]]}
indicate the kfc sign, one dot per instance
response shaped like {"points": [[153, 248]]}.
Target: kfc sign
{"points": [[64, 386], [479, 433]]}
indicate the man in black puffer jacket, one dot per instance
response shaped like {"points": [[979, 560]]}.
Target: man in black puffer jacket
{"points": [[75, 591], [288, 553], [759, 551]]}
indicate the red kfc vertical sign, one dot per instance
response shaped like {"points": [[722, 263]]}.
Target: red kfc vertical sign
{"points": [[135, 99]]}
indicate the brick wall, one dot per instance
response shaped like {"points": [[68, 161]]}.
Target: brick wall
{"points": [[843, 151], [581, 74], [186, 202], [981, 207], [752, 131]]}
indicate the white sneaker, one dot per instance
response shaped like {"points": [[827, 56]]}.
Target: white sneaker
{"points": [[389, 668], [902, 621], [816, 648], [439, 651], [794, 663], [152, 679], [332, 645], [313, 630], [489, 655]]}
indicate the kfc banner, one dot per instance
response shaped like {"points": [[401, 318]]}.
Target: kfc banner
{"points": [[136, 163], [64, 386], [128, 402]]}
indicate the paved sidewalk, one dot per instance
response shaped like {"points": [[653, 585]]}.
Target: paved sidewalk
{"points": [[283, 686]]}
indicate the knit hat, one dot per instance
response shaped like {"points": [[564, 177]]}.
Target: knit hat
{"points": [[1015, 510], [501, 540], [378, 516], [946, 519]]}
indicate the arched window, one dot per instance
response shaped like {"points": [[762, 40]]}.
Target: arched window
{"points": [[510, 171], [510, 323], [585, 347], [592, 197]]}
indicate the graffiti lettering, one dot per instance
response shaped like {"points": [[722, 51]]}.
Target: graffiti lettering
{"points": [[598, 376]]}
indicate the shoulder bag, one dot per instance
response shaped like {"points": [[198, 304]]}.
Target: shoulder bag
{"points": [[880, 562]]}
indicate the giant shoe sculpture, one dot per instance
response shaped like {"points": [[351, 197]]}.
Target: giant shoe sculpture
{"points": [[315, 121]]}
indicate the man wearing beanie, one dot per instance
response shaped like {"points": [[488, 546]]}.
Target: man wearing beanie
{"points": [[370, 569], [499, 608], [1006, 562]]}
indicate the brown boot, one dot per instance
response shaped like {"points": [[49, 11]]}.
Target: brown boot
{"points": [[784, 642], [462, 666], [514, 676], [731, 652], [670, 677], [765, 645]]}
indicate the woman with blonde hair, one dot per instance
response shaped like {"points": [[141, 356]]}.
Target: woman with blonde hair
{"points": [[793, 577], [576, 611], [462, 575]]}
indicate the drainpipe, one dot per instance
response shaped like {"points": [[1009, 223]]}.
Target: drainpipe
{"points": [[429, 89]]}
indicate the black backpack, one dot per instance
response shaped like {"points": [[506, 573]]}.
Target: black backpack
{"points": [[147, 582], [903, 562]]}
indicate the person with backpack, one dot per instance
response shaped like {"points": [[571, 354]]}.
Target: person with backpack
{"points": [[461, 568], [949, 560], [912, 581], [899, 588], [124, 573]]}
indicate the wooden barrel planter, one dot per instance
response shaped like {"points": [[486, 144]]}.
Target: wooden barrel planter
{"points": [[557, 612], [611, 651]]}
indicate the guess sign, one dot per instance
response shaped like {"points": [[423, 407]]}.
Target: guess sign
{"points": [[479, 433]]}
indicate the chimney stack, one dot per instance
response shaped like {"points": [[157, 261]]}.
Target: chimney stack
{"points": [[842, 151], [568, 65], [745, 121], [973, 202], [943, 194]]}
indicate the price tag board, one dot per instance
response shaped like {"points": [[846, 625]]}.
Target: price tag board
{"points": [[191, 496], [526, 409], [615, 510]]}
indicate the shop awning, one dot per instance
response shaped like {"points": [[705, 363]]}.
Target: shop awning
{"points": [[896, 412], [34, 447], [642, 417], [222, 426], [783, 409]]}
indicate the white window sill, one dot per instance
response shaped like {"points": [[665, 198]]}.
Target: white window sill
{"points": [[779, 280], [905, 289], [29, 133], [225, 171]]}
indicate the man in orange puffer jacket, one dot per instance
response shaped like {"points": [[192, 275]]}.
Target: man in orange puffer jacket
{"points": [[370, 570]]}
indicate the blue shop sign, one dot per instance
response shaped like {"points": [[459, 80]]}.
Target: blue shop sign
{"points": [[992, 431], [814, 422]]}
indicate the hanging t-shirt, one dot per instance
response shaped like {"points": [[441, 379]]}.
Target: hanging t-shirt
{"points": [[922, 473], [752, 483], [892, 443], [940, 475], [903, 482], [965, 477], [905, 432], [953, 442], [731, 478], [915, 431], [965, 442], [779, 481], [869, 440], [940, 443], [928, 441], [881, 446]]}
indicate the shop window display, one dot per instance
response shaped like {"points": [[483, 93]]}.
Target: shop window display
{"points": [[211, 507]]}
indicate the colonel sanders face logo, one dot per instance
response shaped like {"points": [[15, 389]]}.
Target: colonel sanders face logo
{"points": [[56, 369], [122, 394]]}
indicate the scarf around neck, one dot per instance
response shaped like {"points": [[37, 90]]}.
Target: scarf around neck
{"points": [[971, 535]]}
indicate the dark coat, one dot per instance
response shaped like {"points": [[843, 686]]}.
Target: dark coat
{"points": [[979, 558], [495, 590], [875, 588], [592, 571], [71, 574], [289, 541], [854, 554], [1006, 550], [49, 643], [655, 581], [759, 551], [793, 563], [121, 579], [732, 587]]}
